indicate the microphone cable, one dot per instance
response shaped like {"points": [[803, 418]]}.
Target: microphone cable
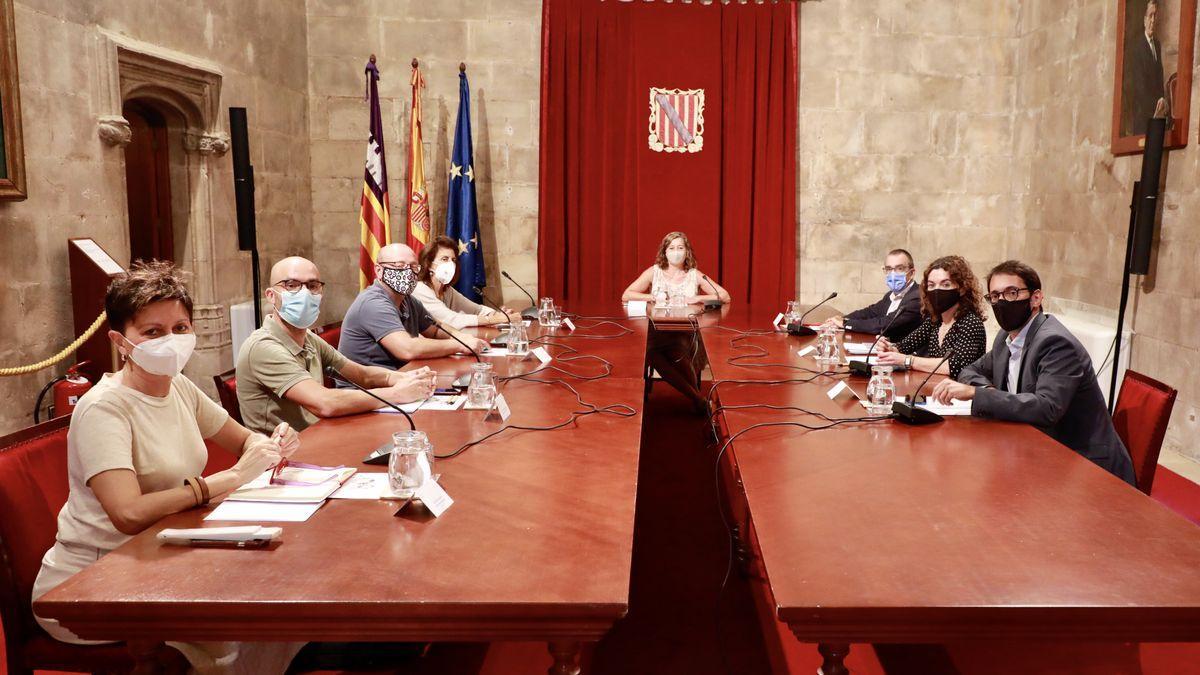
{"points": [[616, 409]]}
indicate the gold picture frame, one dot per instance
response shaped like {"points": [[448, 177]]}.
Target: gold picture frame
{"points": [[12, 149]]}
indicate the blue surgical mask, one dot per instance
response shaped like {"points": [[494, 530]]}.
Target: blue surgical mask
{"points": [[299, 308], [897, 281]]}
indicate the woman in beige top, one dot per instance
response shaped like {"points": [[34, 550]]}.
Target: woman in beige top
{"points": [[135, 451], [674, 277], [435, 290]]}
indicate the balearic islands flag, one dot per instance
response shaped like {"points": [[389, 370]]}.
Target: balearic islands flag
{"points": [[418, 197], [374, 216], [462, 218]]}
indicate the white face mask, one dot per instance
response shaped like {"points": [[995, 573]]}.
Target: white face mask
{"points": [[166, 355], [444, 272], [676, 256]]}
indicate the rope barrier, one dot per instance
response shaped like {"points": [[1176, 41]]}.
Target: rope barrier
{"points": [[70, 349]]}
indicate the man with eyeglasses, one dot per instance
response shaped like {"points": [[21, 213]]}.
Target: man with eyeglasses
{"points": [[1038, 373], [899, 311], [387, 327], [281, 366]]}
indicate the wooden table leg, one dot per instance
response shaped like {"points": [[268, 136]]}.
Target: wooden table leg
{"points": [[566, 657], [834, 659]]}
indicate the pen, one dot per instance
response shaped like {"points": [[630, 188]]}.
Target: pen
{"points": [[220, 543]]}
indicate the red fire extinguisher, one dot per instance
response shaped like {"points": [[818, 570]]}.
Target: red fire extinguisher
{"points": [[68, 389]]}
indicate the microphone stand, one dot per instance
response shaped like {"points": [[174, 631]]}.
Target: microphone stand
{"points": [[863, 368], [797, 327], [462, 381], [712, 304], [909, 413], [530, 312], [500, 340], [379, 456]]}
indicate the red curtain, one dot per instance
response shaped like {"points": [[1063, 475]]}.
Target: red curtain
{"points": [[607, 199]]}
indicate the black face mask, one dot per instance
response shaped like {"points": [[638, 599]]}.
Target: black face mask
{"points": [[1012, 314], [943, 299]]}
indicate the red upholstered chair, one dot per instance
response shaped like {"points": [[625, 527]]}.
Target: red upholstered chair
{"points": [[1140, 416], [331, 333], [33, 488], [227, 390]]}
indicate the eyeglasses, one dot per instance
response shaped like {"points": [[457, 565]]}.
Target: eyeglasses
{"points": [[902, 269], [400, 266], [291, 285], [1011, 293]]}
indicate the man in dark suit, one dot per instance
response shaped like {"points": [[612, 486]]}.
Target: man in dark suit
{"points": [[1038, 373], [1142, 90], [899, 311]]}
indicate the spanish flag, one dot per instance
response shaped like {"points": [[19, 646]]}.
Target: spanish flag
{"points": [[418, 197], [374, 216]]}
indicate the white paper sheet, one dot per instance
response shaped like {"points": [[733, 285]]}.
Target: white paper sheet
{"points": [[871, 360], [858, 347], [263, 512], [431, 403], [955, 408], [364, 486]]}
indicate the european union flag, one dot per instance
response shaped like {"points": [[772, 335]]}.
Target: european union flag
{"points": [[462, 217]]}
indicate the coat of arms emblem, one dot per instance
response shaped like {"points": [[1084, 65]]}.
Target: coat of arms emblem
{"points": [[676, 120]]}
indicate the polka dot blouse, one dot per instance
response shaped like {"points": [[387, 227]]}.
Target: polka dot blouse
{"points": [[966, 337]]}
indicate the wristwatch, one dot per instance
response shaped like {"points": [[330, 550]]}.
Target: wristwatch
{"points": [[908, 362]]}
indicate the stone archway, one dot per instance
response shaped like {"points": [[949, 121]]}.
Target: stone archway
{"points": [[133, 70]]}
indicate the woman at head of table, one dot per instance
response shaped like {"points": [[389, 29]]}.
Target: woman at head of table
{"points": [[952, 305], [135, 452], [675, 277], [436, 292]]}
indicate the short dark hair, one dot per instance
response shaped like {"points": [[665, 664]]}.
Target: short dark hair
{"points": [[1019, 269], [906, 254], [430, 252], [144, 284]]}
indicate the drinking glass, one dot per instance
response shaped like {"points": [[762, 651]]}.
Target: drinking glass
{"points": [[546, 312], [410, 464], [881, 390], [828, 351], [791, 313], [481, 390]]}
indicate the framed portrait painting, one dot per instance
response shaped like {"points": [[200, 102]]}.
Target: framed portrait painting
{"points": [[1153, 71], [12, 152]]}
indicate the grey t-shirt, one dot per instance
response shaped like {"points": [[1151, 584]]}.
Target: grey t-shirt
{"points": [[373, 316]]}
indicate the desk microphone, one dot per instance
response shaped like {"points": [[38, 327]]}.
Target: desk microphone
{"points": [[712, 304], [797, 327], [500, 340], [530, 312], [909, 413], [379, 455], [455, 338], [863, 368]]}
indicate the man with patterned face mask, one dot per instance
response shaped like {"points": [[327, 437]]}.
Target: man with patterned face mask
{"points": [[387, 327], [282, 366]]}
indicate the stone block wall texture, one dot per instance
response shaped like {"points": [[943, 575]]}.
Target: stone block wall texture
{"points": [[500, 41], [76, 183], [1073, 198]]}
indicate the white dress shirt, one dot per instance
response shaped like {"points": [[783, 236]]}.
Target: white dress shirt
{"points": [[1016, 349], [897, 297]]}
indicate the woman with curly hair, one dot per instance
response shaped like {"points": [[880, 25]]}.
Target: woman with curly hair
{"points": [[953, 309]]}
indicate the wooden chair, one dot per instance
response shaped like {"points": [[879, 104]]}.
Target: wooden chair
{"points": [[227, 391], [33, 489], [1140, 417]]}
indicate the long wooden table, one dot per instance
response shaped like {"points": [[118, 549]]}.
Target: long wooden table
{"points": [[866, 532], [537, 545], [884, 533]]}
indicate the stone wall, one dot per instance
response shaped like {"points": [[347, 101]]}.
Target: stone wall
{"points": [[1074, 201], [76, 181], [905, 125], [499, 40]]}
